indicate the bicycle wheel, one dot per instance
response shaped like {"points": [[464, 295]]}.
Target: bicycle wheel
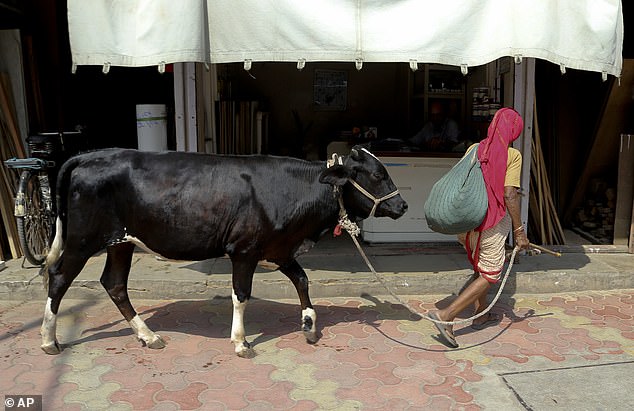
{"points": [[34, 215]]}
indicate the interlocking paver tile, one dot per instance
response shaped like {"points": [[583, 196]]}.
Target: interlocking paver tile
{"points": [[461, 369], [139, 398], [11, 373], [340, 343], [233, 398], [410, 390], [186, 398], [274, 396], [367, 393], [203, 360], [120, 360], [422, 371], [383, 372], [373, 339], [215, 379], [610, 310], [344, 374], [433, 354], [93, 399], [506, 350], [359, 358], [396, 355], [259, 377], [452, 387], [54, 397], [439, 402]]}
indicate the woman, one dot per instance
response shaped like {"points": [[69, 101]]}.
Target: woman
{"points": [[501, 168]]}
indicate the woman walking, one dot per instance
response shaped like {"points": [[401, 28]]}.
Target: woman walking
{"points": [[501, 167]]}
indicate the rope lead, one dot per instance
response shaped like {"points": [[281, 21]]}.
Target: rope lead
{"points": [[354, 231]]}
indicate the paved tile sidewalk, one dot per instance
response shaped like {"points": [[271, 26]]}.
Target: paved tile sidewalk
{"points": [[565, 351]]}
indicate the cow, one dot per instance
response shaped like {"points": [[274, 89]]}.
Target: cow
{"points": [[192, 206]]}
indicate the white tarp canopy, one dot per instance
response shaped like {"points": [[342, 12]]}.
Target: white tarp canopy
{"points": [[578, 34]]}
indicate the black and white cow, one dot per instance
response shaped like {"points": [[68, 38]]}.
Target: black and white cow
{"points": [[188, 206]]}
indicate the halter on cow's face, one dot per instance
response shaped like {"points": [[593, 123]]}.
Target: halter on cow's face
{"points": [[372, 191]]}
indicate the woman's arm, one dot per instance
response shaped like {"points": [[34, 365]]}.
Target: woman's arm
{"points": [[512, 202]]}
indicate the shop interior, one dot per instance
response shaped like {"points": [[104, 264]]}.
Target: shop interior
{"points": [[384, 104]]}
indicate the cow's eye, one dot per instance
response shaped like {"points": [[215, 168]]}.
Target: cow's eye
{"points": [[377, 175]]}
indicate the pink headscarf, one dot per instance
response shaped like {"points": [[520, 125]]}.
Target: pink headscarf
{"points": [[505, 127]]}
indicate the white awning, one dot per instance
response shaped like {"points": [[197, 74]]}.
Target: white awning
{"points": [[578, 34]]}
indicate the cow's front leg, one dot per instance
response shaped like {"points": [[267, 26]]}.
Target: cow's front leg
{"points": [[309, 317], [242, 282]]}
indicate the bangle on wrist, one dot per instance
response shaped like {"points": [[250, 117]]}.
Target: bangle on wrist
{"points": [[518, 229]]}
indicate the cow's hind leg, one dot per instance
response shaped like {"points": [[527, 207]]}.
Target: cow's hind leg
{"points": [[115, 280], [61, 274], [242, 279], [309, 317]]}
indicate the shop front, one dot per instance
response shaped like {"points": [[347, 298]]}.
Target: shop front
{"points": [[301, 79]]}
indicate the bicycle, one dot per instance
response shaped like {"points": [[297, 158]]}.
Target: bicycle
{"points": [[35, 197]]}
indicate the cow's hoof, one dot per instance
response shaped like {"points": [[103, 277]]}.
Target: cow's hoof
{"points": [[311, 337], [246, 353], [157, 343], [52, 348], [244, 350]]}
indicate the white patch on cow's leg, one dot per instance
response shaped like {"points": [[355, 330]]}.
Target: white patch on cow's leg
{"points": [[48, 330], [238, 338], [309, 321], [146, 335]]}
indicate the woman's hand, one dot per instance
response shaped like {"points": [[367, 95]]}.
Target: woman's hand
{"points": [[520, 238]]}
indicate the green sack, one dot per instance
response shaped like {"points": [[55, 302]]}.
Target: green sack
{"points": [[458, 201]]}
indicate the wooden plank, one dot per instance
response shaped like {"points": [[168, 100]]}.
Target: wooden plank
{"points": [[190, 107], [8, 221], [542, 207], [10, 146], [180, 122], [624, 189], [7, 109], [631, 247], [523, 97]]}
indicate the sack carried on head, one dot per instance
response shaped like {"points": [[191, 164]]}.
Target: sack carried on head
{"points": [[458, 201]]}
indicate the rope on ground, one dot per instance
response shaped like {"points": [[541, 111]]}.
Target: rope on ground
{"points": [[406, 305]]}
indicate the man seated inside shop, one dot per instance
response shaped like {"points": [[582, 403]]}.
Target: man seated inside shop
{"points": [[440, 133]]}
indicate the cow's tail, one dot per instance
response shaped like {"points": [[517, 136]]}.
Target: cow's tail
{"points": [[62, 189]]}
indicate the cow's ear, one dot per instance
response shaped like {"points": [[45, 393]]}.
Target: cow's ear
{"points": [[335, 175], [355, 155]]}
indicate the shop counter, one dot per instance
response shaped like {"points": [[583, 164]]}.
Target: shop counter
{"points": [[414, 175]]}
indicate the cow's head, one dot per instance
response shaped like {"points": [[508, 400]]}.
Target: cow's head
{"points": [[367, 187]]}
